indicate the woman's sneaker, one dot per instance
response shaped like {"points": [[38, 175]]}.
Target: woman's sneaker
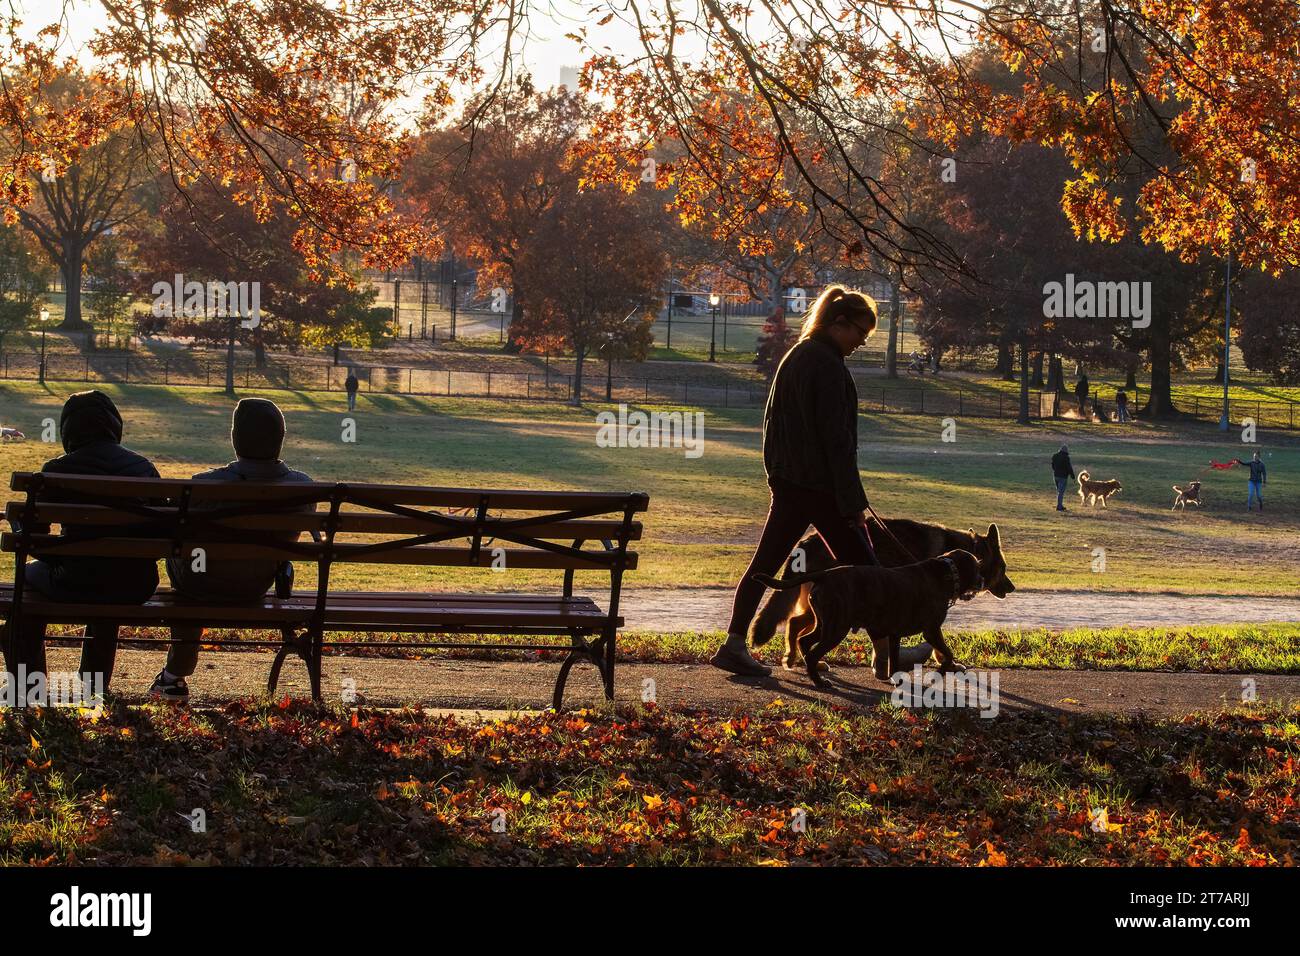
{"points": [[174, 690]]}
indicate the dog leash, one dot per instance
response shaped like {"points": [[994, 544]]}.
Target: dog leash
{"points": [[892, 536]]}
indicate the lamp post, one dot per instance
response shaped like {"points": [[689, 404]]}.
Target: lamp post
{"points": [[45, 314], [609, 366], [713, 327], [1227, 341]]}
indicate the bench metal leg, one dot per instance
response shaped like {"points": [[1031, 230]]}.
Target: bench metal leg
{"points": [[607, 672], [308, 647], [314, 665], [293, 644], [593, 653]]}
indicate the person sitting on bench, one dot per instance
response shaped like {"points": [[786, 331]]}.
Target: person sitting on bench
{"points": [[91, 428], [257, 435]]}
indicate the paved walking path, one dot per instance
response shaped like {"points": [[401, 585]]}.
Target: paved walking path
{"points": [[707, 609], [471, 685]]}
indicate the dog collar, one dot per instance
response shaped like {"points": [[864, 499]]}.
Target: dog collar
{"points": [[956, 583]]}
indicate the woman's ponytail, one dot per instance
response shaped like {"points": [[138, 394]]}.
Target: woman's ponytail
{"points": [[836, 303]]}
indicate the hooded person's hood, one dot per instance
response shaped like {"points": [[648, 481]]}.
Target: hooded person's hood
{"points": [[257, 429], [89, 417]]}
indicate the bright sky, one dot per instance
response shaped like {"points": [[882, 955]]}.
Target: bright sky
{"points": [[546, 51]]}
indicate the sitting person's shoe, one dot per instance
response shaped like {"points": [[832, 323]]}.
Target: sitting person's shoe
{"points": [[174, 690], [738, 662], [908, 657]]}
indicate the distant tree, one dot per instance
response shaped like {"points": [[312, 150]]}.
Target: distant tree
{"points": [[24, 276], [74, 205], [488, 181], [594, 271], [205, 235], [355, 320], [111, 289], [1267, 313]]}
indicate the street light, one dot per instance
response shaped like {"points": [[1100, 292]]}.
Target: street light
{"points": [[45, 314], [1227, 338], [609, 365], [713, 327]]}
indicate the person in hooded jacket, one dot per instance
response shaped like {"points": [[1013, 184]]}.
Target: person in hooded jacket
{"points": [[257, 432], [91, 428]]}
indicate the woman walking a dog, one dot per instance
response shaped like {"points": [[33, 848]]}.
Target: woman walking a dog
{"points": [[810, 454]]}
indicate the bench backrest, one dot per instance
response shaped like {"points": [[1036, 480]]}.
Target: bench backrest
{"points": [[365, 523]]}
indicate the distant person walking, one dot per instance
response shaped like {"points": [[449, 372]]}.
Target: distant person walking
{"points": [[1121, 406], [810, 455], [1255, 483], [351, 384], [1081, 391], [1062, 471]]}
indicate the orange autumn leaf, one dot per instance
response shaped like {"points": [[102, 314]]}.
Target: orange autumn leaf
{"points": [[994, 858]]}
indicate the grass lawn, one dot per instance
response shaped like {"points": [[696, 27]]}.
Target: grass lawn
{"points": [[301, 784], [1235, 648], [705, 512]]}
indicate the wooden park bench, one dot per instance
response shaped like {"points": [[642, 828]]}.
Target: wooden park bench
{"points": [[373, 524]]}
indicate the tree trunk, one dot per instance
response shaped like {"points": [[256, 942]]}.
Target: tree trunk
{"points": [[1006, 367], [895, 317], [70, 267], [1160, 401], [1130, 380], [259, 349], [1055, 375], [774, 289], [1023, 417], [512, 347], [1037, 380], [230, 357], [580, 353]]}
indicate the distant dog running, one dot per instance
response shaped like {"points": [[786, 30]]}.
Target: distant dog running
{"points": [[11, 434], [1090, 492], [1191, 495]]}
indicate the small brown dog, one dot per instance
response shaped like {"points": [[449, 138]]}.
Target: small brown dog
{"points": [[888, 603], [1093, 491], [1191, 495], [902, 542]]}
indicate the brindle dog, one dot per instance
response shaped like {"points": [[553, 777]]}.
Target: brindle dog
{"points": [[889, 603]]}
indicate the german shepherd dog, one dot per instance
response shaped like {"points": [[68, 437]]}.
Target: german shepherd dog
{"points": [[1191, 495], [1093, 491], [920, 540], [890, 603]]}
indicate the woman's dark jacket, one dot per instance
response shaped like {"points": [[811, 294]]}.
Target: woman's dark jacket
{"points": [[810, 425]]}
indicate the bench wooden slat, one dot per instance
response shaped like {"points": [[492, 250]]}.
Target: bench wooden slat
{"points": [[411, 610], [498, 498], [357, 522], [424, 555]]}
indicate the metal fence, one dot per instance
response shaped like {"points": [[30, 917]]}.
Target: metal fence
{"points": [[944, 401]]}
